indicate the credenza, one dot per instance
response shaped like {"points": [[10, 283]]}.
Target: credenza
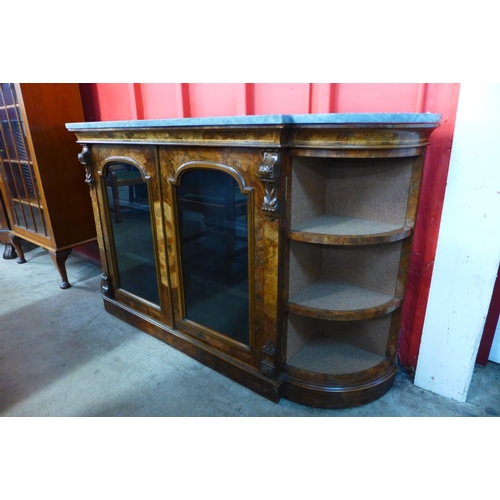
{"points": [[273, 249]]}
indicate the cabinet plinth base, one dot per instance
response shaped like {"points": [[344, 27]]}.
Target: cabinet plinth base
{"points": [[347, 396], [243, 374]]}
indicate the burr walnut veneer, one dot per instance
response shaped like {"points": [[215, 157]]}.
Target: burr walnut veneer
{"points": [[273, 249]]}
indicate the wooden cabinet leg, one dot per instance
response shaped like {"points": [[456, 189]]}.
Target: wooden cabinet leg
{"points": [[16, 243], [59, 259], [9, 251]]}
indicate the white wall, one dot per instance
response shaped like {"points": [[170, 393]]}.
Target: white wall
{"points": [[468, 249]]}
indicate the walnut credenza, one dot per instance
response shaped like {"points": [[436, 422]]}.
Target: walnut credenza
{"points": [[273, 249]]}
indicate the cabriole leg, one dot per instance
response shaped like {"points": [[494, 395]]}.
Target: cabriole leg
{"points": [[9, 251], [59, 259], [16, 243]]}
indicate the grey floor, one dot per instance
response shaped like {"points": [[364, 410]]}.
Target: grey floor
{"points": [[61, 354]]}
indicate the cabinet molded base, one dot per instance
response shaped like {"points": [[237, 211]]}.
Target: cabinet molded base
{"points": [[347, 396], [239, 372]]}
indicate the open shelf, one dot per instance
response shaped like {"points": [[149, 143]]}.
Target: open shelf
{"points": [[331, 357], [335, 230], [328, 299]]}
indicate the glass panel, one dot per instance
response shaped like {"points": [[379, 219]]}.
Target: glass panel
{"points": [[213, 223], [35, 215], [129, 211], [17, 165]]}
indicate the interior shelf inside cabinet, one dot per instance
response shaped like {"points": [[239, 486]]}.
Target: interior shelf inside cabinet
{"points": [[358, 281], [335, 300], [336, 347], [328, 356], [335, 230], [350, 197]]}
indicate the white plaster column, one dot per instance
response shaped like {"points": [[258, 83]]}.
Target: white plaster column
{"points": [[468, 248]]}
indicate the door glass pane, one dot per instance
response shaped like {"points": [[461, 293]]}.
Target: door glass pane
{"points": [[17, 165], [213, 226], [129, 212]]}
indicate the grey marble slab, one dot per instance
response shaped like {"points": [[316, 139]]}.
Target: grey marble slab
{"points": [[299, 119]]}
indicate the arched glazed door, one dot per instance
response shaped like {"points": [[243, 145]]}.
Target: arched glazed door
{"points": [[214, 220], [129, 211], [130, 228]]}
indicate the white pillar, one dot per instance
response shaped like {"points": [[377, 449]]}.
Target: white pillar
{"points": [[468, 248]]}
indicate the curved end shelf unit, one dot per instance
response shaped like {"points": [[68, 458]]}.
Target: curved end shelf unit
{"points": [[352, 213]]}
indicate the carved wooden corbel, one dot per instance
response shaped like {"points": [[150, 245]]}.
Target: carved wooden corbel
{"points": [[269, 173], [84, 159], [268, 363]]}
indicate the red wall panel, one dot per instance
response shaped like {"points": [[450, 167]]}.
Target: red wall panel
{"points": [[281, 98], [212, 99], [123, 101], [116, 101], [159, 100], [377, 98]]}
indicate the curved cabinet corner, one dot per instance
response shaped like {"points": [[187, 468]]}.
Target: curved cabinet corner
{"points": [[324, 392]]}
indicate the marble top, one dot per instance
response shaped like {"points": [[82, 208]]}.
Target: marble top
{"points": [[302, 119]]}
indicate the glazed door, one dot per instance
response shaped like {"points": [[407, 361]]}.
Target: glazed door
{"points": [[216, 264], [212, 210], [23, 197], [131, 226]]}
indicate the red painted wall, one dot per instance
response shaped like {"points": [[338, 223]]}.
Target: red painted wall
{"points": [[123, 101]]}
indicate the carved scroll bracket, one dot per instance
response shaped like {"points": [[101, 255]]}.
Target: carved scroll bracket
{"points": [[268, 363], [269, 173], [84, 159]]}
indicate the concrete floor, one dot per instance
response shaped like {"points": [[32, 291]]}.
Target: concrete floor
{"points": [[61, 354]]}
